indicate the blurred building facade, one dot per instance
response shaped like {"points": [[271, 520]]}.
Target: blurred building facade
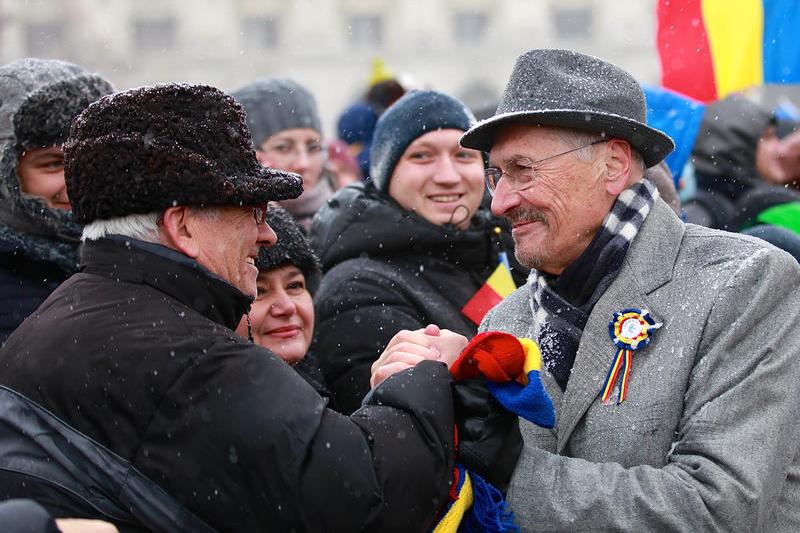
{"points": [[464, 47]]}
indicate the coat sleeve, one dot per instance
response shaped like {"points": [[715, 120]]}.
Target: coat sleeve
{"points": [[737, 440], [357, 314], [287, 463]]}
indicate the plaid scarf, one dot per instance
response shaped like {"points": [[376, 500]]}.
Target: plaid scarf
{"points": [[561, 305]]}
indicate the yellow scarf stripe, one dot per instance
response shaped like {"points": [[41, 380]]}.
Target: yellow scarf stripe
{"points": [[452, 519]]}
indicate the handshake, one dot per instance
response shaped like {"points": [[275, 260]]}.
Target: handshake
{"points": [[408, 348]]}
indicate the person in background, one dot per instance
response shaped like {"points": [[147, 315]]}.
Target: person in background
{"points": [[408, 248], [287, 134], [342, 165], [38, 235], [356, 126], [281, 318]]}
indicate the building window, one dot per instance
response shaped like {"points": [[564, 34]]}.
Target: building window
{"points": [[260, 33], [573, 23], [470, 26], [44, 39], [154, 34], [365, 30]]}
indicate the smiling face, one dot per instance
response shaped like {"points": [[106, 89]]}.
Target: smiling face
{"points": [[297, 150], [438, 179], [41, 173], [228, 240], [282, 317], [555, 219]]}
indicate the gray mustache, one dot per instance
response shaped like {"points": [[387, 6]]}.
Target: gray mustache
{"points": [[526, 214]]}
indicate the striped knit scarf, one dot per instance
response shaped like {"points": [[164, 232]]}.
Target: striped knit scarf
{"points": [[561, 305]]}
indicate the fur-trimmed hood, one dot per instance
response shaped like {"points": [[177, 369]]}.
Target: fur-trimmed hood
{"points": [[38, 100]]}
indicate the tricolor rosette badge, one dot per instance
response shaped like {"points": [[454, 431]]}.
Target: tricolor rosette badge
{"points": [[630, 330]]}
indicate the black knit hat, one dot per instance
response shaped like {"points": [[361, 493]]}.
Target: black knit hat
{"points": [[413, 115], [292, 247], [276, 104], [147, 149], [566, 89]]}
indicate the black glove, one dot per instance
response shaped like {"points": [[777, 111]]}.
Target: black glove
{"points": [[489, 441]]}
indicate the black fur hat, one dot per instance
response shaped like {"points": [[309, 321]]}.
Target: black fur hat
{"points": [[45, 116], [147, 149], [292, 247]]}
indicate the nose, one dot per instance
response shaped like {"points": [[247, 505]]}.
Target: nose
{"points": [[266, 235], [446, 172], [504, 199], [282, 305], [301, 162]]}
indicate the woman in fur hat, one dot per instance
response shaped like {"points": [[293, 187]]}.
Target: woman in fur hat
{"points": [[38, 236], [407, 249]]}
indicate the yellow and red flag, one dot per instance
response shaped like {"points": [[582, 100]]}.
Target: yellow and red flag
{"points": [[499, 285]]}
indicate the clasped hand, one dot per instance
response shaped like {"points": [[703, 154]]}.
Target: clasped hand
{"points": [[407, 348]]}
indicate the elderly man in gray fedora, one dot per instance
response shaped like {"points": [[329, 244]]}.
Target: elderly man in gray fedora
{"points": [[670, 348]]}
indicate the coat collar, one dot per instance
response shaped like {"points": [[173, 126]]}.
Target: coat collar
{"points": [[648, 265], [168, 271]]}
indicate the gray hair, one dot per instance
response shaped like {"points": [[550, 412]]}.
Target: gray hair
{"points": [[140, 227]]}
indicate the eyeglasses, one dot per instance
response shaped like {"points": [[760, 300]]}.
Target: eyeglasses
{"points": [[260, 214], [523, 171], [288, 151]]}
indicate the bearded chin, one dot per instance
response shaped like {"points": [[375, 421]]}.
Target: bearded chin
{"points": [[527, 256]]}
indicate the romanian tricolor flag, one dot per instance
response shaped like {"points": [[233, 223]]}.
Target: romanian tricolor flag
{"points": [[499, 285], [711, 48]]}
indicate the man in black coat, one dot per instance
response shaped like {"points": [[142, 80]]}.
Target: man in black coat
{"points": [[137, 351]]}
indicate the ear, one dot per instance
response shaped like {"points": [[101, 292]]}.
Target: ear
{"points": [[179, 231], [620, 164]]}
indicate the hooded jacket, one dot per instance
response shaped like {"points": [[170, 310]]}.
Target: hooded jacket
{"points": [[139, 355], [38, 244], [387, 269]]}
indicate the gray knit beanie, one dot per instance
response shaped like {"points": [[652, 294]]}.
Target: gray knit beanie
{"points": [[413, 115], [277, 104]]}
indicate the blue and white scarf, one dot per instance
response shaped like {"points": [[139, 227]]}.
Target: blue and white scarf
{"points": [[560, 305]]}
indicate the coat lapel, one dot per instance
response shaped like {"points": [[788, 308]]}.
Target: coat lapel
{"points": [[648, 265]]}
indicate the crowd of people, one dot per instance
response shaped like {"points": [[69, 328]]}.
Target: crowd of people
{"points": [[216, 319]]}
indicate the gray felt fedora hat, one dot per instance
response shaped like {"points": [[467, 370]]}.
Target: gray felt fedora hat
{"points": [[571, 90]]}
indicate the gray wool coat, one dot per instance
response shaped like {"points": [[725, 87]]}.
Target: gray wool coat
{"points": [[707, 439]]}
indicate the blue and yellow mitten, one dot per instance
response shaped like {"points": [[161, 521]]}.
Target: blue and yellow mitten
{"points": [[512, 369]]}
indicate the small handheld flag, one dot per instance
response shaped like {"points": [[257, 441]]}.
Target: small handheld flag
{"points": [[499, 285]]}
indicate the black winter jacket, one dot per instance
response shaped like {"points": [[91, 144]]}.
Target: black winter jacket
{"points": [[387, 269], [137, 352]]}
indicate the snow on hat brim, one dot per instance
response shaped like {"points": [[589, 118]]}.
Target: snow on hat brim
{"points": [[562, 88], [652, 144]]}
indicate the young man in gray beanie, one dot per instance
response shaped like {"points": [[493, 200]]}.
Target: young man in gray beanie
{"points": [[287, 134], [137, 352], [38, 234], [670, 349]]}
